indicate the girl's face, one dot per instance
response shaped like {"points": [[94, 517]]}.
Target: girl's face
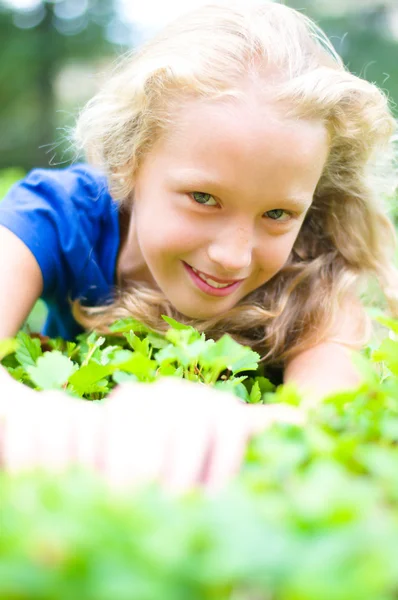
{"points": [[219, 203]]}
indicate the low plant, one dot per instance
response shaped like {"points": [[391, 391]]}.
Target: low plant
{"points": [[312, 515]]}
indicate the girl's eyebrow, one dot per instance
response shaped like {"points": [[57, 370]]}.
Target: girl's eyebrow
{"points": [[195, 178]]}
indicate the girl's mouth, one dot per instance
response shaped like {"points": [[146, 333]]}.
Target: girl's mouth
{"points": [[208, 285]]}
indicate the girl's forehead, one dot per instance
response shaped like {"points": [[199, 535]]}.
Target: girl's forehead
{"points": [[220, 126], [229, 105]]}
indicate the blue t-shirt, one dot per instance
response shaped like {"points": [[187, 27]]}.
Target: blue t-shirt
{"points": [[69, 221]]}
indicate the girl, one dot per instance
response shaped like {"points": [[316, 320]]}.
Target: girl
{"points": [[233, 184]]}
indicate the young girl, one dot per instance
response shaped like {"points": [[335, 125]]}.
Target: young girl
{"points": [[233, 184]]}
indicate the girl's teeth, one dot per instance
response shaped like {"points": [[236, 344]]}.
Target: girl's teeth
{"points": [[210, 281]]}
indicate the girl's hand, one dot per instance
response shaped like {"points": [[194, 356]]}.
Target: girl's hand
{"points": [[181, 434], [173, 432]]}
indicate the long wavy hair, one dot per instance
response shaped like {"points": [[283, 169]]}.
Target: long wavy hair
{"points": [[346, 240]]}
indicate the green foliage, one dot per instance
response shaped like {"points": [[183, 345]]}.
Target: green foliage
{"points": [[312, 515], [91, 368]]}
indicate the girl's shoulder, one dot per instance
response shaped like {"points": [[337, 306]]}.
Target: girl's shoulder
{"points": [[74, 199], [80, 184], [68, 220]]}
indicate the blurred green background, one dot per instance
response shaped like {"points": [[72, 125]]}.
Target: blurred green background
{"points": [[54, 55]]}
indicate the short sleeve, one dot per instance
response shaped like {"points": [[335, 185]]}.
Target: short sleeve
{"points": [[69, 222]]}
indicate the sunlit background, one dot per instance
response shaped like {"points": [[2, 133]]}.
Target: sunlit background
{"points": [[54, 54]]}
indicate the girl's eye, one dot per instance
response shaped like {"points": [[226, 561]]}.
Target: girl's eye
{"points": [[202, 198], [274, 215], [277, 213]]}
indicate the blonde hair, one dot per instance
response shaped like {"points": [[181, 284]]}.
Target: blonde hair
{"points": [[346, 239]]}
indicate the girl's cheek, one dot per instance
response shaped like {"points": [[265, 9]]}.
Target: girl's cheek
{"points": [[275, 254], [172, 231]]}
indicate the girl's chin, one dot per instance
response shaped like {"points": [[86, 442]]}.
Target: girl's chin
{"points": [[203, 313]]}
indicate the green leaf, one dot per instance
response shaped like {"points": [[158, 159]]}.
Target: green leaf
{"points": [[71, 349], [107, 354], [157, 341], [186, 355], [176, 325], [230, 355], [171, 354], [255, 393], [121, 377], [96, 390], [28, 351], [262, 384], [183, 337], [135, 343], [166, 370], [7, 346], [137, 364], [265, 385], [116, 357], [387, 352], [93, 351], [129, 324], [235, 387], [87, 376], [57, 344], [52, 371]]}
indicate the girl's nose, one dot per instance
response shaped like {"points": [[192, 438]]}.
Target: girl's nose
{"points": [[232, 252]]}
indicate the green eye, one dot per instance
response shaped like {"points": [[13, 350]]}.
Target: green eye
{"points": [[277, 213], [202, 198]]}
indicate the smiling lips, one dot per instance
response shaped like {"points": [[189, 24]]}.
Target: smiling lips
{"points": [[214, 281], [214, 286]]}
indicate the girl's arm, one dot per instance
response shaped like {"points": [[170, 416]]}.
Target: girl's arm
{"points": [[322, 370], [21, 282], [328, 367], [176, 433]]}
